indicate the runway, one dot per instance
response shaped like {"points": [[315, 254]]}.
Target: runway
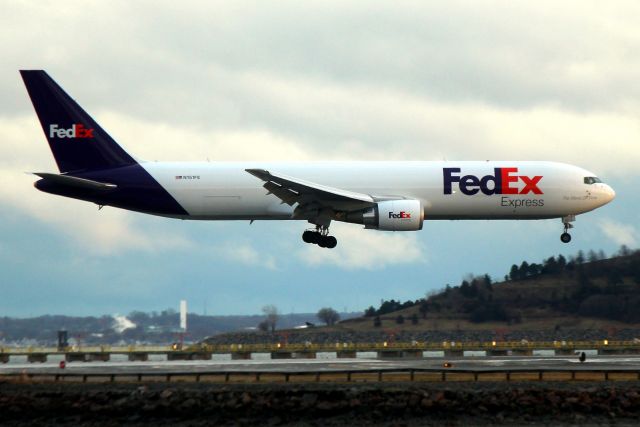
{"points": [[298, 366]]}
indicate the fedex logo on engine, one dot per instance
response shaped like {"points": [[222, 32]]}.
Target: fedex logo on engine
{"points": [[76, 130], [503, 181], [400, 215]]}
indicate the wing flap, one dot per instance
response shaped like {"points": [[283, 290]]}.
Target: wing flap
{"points": [[287, 195], [291, 190]]}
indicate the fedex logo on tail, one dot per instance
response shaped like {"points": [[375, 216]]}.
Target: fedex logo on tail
{"points": [[75, 131], [503, 181]]}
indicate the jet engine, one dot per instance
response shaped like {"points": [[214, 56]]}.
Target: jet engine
{"points": [[391, 215]]}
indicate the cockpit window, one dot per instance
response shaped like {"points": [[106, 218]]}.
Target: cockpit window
{"points": [[591, 179]]}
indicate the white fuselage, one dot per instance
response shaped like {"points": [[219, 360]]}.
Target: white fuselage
{"points": [[225, 191]]}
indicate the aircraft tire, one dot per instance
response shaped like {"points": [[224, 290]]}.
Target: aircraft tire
{"points": [[565, 237], [308, 236], [332, 242]]}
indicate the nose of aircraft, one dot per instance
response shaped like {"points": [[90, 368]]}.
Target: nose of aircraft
{"points": [[609, 193]]}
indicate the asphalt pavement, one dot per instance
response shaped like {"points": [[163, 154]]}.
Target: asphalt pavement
{"points": [[511, 363]]}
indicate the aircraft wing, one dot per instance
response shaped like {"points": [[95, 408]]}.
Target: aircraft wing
{"points": [[313, 199]]}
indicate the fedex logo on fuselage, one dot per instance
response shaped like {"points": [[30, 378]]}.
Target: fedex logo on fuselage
{"points": [[76, 130], [503, 181]]}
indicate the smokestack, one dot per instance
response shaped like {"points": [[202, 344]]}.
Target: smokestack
{"points": [[183, 315]]}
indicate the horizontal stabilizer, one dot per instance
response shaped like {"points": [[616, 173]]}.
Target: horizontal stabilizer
{"points": [[72, 181]]}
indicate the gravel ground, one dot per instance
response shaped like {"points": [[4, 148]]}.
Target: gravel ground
{"points": [[394, 404]]}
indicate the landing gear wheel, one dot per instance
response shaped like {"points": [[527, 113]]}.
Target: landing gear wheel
{"points": [[566, 221], [320, 236], [308, 236], [312, 237]]}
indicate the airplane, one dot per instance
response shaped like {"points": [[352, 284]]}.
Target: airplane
{"points": [[380, 195]]}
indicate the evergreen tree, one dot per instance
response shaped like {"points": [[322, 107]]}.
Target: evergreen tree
{"points": [[487, 281], [414, 319], [514, 273], [523, 271], [624, 251], [550, 265], [562, 262], [473, 290], [534, 269], [465, 289]]}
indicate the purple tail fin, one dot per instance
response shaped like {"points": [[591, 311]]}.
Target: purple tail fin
{"points": [[77, 142]]}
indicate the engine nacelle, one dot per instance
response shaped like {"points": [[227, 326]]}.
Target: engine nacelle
{"points": [[395, 215]]}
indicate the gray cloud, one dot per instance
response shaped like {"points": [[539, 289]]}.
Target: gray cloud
{"points": [[347, 79], [578, 55]]}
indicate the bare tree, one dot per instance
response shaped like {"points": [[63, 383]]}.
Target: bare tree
{"points": [[328, 315], [271, 311], [263, 326]]}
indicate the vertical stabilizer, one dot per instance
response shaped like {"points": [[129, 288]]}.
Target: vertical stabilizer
{"points": [[77, 142]]}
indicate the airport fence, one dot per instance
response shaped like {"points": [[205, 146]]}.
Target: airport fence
{"points": [[333, 376]]}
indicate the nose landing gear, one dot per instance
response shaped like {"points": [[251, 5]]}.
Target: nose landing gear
{"points": [[320, 237], [567, 220]]}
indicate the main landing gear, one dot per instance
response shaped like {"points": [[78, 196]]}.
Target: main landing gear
{"points": [[567, 220], [320, 237]]}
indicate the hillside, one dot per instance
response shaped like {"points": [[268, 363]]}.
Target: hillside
{"points": [[582, 298], [595, 294]]}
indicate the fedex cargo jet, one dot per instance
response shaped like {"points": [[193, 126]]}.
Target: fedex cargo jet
{"points": [[393, 196]]}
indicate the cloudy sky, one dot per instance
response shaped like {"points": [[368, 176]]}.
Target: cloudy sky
{"points": [[293, 80]]}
